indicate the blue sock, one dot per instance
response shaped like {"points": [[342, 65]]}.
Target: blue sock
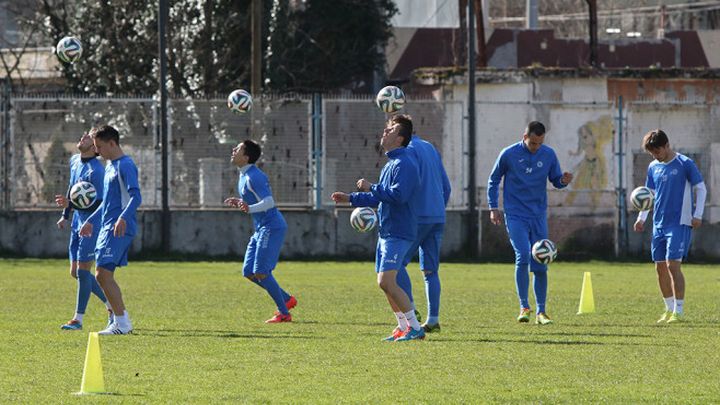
{"points": [[403, 281], [285, 295], [522, 283], [273, 288], [432, 292], [540, 289], [84, 279]]}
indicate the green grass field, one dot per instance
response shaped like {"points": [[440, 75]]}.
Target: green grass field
{"points": [[200, 337]]}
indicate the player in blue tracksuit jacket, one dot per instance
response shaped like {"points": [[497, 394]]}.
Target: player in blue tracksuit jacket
{"points": [[263, 249], [431, 199], [526, 167], [83, 167], [118, 226], [673, 177], [393, 194]]}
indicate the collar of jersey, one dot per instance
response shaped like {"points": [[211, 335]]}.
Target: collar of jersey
{"points": [[395, 152], [245, 168]]}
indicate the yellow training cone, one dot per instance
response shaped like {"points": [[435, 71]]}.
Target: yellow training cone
{"points": [[92, 379], [587, 303]]}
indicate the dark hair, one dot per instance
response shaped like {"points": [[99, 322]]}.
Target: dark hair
{"points": [[406, 127], [535, 128], [252, 150], [106, 133], [655, 139]]}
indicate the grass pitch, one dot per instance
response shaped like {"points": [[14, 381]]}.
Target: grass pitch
{"points": [[200, 337]]}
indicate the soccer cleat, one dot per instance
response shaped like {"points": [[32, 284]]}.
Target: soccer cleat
{"points": [[279, 318], [542, 319], [291, 302], [116, 329], [676, 318], [111, 319], [411, 334], [665, 316], [431, 328], [524, 315], [396, 333], [72, 324]]}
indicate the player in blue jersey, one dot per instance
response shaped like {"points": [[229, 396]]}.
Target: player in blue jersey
{"points": [[432, 196], [263, 249], [673, 177], [83, 167], [118, 226], [393, 195], [526, 167]]}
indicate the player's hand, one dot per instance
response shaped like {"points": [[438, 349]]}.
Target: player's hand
{"points": [[232, 202], [566, 178], [86, 230], [696, 223], [61, 223], [61, 201], [363, 185], [496, 217], [120, 226], [340, 197], [639, 225], [244, 207], [73, 272]]}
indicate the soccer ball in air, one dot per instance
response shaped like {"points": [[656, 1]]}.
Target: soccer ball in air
{"points": [[544, 251], [363, 219], [642, 198], [240, 101], [390, 99], [83, 194], [69, 50]]}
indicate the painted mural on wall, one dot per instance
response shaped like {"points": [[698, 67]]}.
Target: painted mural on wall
{"points": [[591, 173]]}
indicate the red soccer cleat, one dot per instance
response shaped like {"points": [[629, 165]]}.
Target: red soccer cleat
{"points": [[278, 318], [291, 302]]}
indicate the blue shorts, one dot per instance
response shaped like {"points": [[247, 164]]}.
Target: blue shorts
{"points": [[82, 249], [524, 232], [671, 243], [390, 253], [112, 251], [428, 240], [263, 251]]}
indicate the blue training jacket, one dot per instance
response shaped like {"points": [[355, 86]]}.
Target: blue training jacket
{"points": [[399, 180], [526, 175], [434, 190]]}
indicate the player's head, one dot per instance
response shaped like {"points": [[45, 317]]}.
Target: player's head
{"points": [[534, 136], [398, 132], [106, 139], [246, 152], [85, 144], [657, 144]]}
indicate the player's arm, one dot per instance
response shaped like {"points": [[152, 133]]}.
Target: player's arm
{"points": [[700, 195], [642, 215], [130, 176], [446, 182], [556, 176], [364, 199], [404, 180], [493, 190]]}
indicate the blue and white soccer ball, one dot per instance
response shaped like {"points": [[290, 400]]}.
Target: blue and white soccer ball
{"points": [[69, 49], [544, 251], [240, 101], [363, 219], [642, 198], [390, 99], [83, 194]]}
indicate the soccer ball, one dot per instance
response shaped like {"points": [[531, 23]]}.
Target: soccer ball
{"points": [[240, 101], [642, 198], [69, 49], [83, 194], [544, 251], [390, 99], [363, 219]]}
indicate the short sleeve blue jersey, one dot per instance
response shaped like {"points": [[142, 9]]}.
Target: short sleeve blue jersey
{"points": [[92, 171], [121, 196], [525, 180], [434, 188], [253, 186], [672, 182]]}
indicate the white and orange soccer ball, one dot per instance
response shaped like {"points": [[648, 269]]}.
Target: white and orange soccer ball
{"points": [[69, 49], [363, 219], [642, 198], [239, 101], [390, 99], [544, 251], [83, 194]]}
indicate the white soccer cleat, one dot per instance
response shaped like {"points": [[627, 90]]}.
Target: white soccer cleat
{"points": [[116, 329]]}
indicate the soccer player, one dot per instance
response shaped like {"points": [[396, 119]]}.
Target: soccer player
{"points": [[399, 180], [673, 177], [83, 167], [433, 195], [263, 249], [121, 198], [526, 167]]}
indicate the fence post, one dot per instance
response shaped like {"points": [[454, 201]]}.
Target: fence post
{"points": [[5, 145], [317, 148], [621, 245]]}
